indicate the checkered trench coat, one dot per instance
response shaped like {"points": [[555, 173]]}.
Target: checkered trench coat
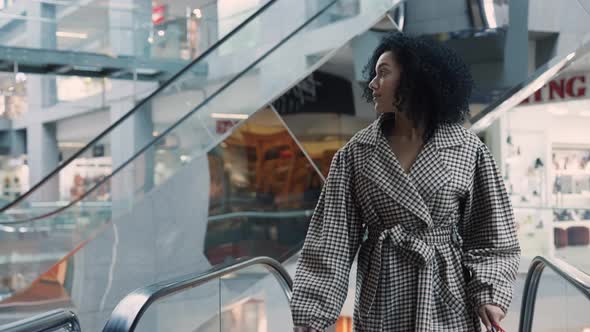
{"points": [[441, 239]]}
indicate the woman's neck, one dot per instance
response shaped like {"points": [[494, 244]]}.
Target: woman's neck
{"points": [[404, 128]]}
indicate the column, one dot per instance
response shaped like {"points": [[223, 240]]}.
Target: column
{"points": [[42, 148], [137, 178], [517, 49], [43, 157]]}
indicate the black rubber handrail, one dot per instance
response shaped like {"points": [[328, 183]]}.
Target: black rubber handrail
{"points": [[139, 105], [568, 273], [178, 122], [129, 311], [48, 321]]}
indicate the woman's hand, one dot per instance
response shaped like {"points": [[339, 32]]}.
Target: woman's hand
{"points": [[490, 313]]}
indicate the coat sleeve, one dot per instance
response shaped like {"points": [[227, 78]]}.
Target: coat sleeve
{"points": [[335, 232], [490, 243]]}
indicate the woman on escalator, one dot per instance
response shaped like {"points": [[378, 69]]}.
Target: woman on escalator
{"points": [[423, 200]]}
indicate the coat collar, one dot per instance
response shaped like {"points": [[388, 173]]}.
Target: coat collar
{"points": [[446, 136], [428, 174]]}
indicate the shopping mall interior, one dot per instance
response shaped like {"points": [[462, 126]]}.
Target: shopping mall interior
{"points": [[160, 160]]}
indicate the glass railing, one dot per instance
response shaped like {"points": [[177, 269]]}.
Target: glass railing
{"points": [[556, 298], [226, 180], [148, 29], [155, 114], [247, 295]]}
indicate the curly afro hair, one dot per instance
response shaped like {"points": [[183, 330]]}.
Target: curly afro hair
{"points": [[435, 83]]}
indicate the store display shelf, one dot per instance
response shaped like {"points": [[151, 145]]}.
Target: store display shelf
{"points": [[573, 172], [584, 195], [573, 223]]}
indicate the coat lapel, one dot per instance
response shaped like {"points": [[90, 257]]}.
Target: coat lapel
{"points": [[428, 174], [431, 171], [387, 174]]}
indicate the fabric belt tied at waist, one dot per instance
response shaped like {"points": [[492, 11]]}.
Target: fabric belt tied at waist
{"points": [[415, 247]]}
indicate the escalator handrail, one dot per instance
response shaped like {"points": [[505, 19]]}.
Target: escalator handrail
{"points": [[138, 106], [565, 271], [128, 312], [179, 121], [47, 321]]}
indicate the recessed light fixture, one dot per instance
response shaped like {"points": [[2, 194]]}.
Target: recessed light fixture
{"points": [[233, 116], [68, 34]]}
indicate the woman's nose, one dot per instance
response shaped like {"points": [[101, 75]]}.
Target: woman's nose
{"points": [[373, 84]]}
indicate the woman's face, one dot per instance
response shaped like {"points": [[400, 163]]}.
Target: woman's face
{"points": [[385, 83]]}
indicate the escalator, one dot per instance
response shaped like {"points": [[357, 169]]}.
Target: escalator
{"points": [[213, 200], [117, 57], [187, 191], [253, 295]]}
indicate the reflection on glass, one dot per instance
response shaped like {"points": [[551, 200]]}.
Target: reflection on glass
{"points": [[253, 301], [194, 309], [251, 195], [551, 306], [560, 306], [51, 290], [262, 191], [322, 134], [320, 112], [206, 99]]}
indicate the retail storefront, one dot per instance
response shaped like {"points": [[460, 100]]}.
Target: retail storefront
{"points": [[14, 174], [546, 164]]}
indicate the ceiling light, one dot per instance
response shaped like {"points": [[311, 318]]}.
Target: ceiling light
{"points": [[7, 229], [71, 145], [67, 34], [235, 116], [161, 33]]}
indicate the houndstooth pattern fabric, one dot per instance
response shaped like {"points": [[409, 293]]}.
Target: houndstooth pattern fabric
{"points": [[441, 239]]}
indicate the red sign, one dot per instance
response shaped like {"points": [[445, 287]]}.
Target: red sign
{"points": [[564, 88], [158, 14]]}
